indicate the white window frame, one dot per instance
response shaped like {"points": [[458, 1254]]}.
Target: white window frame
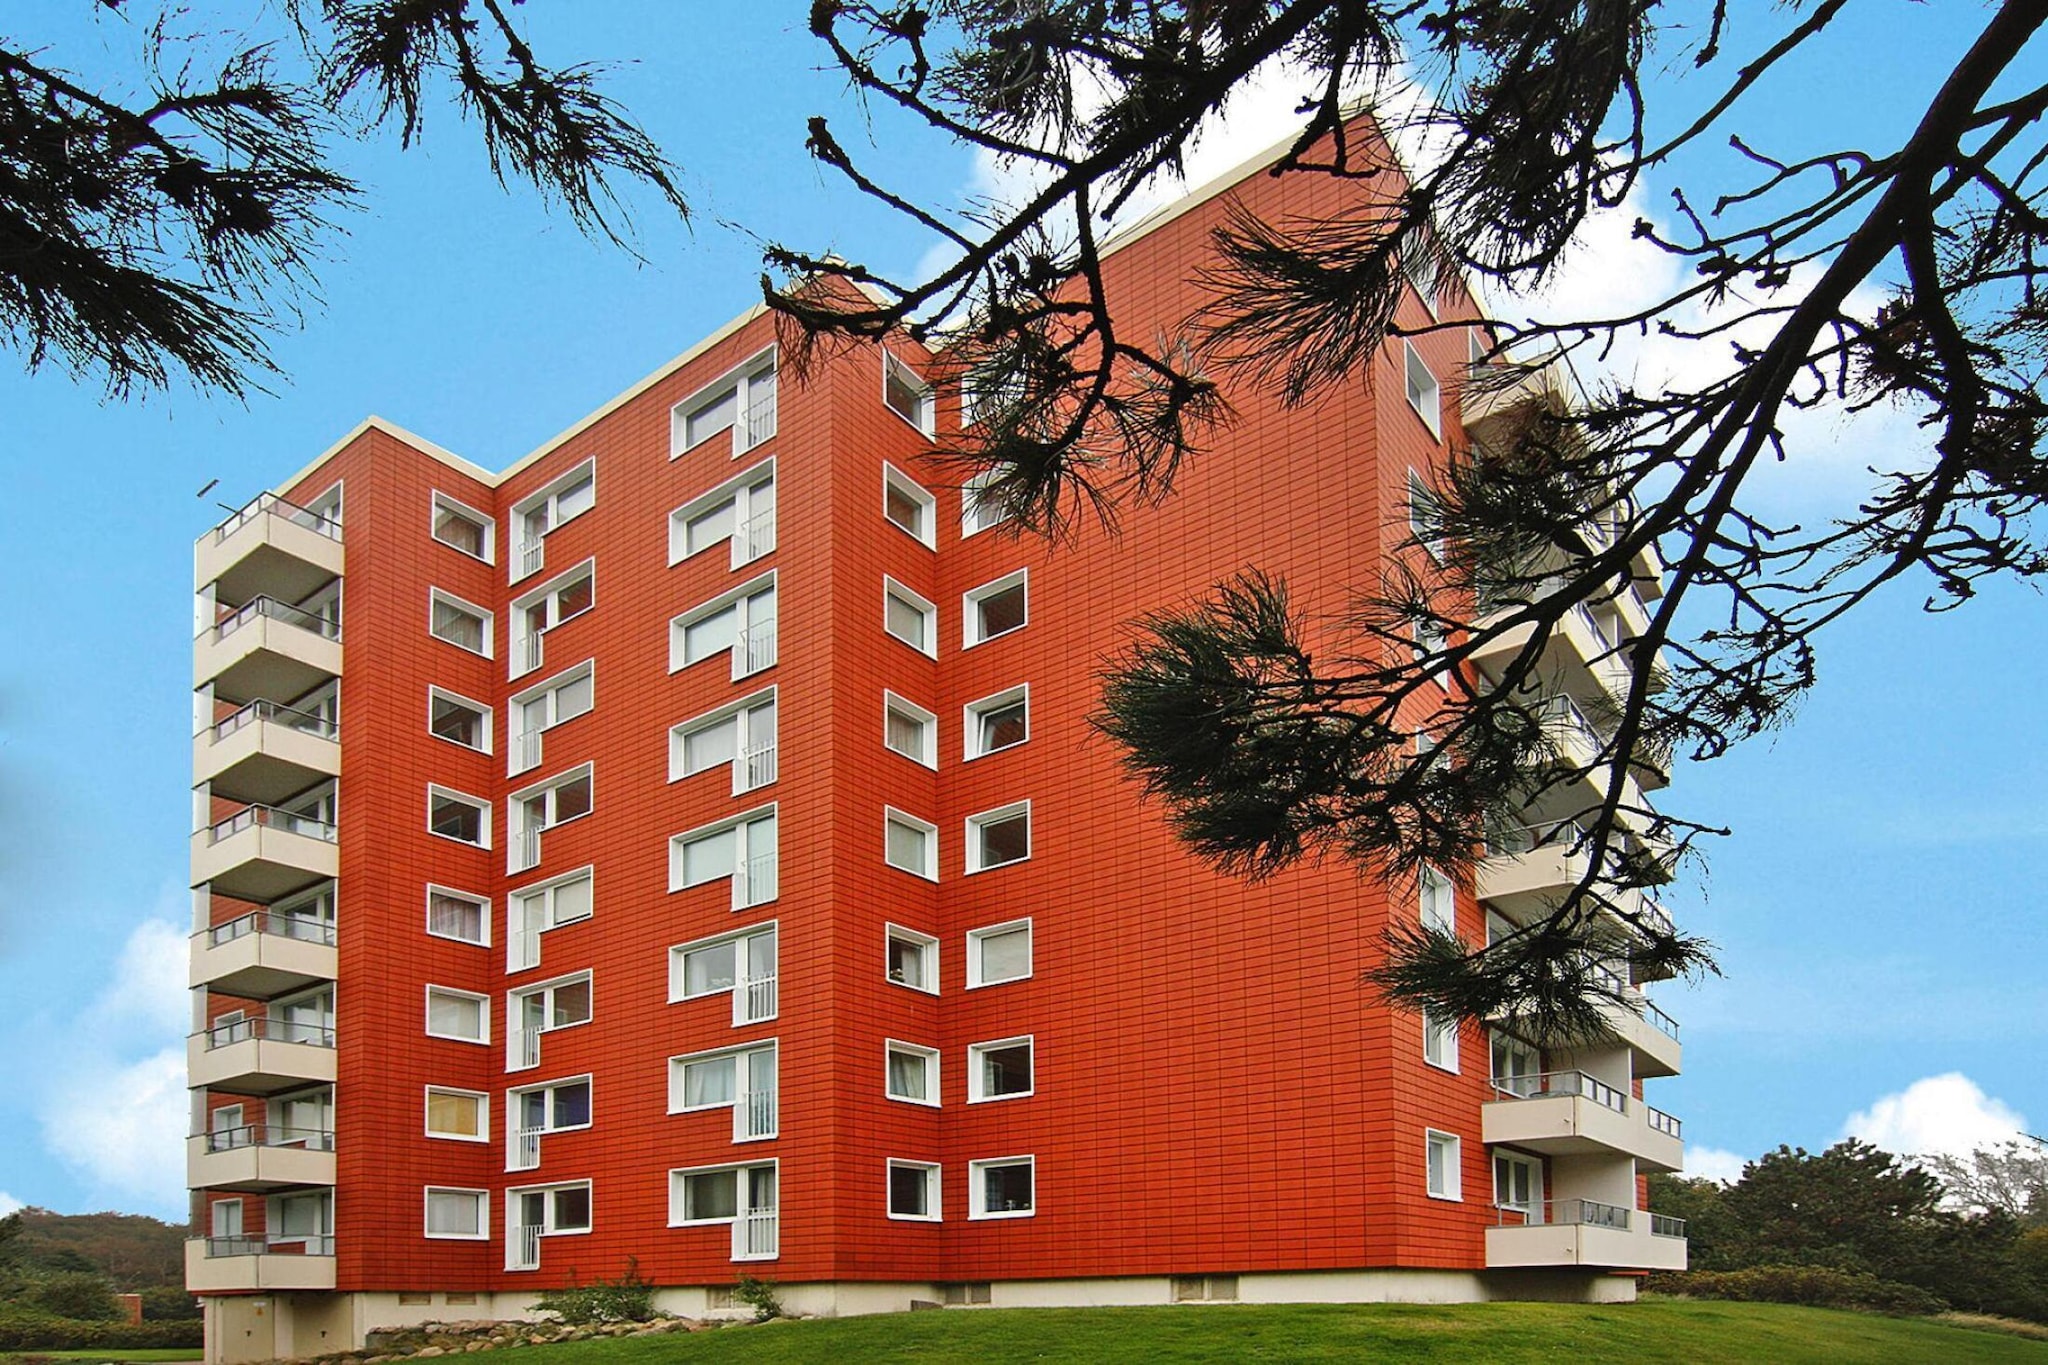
{"points": [[740, 1055], [217, 1220], [928, 506], [483, 1004], [896, 702], [1420, 268], [976, 937], [735, 600], [1452, 1165], [435, 789], [441, 502], [934, 1072], [483, 917], [893, 931], [930, 871], [515, 910], [741, 490], [977, 1089], [678, 979], [528, 650], [675, 1191], [548, 1226], [742, 890], [971, 717], [437, 693], [977, 1188], [437, 597], [550, 688], [739, 379], [483, 1214], [1534, 1167], [918, 603], [1439, 1042], [515, 1097], [483, 1113], [548, 789], [970, 607], [926, 420], [550, 494], [1433, 415], [1418, 497], [1430, 884], [971, 510], [742, 713], [934, 1189], [975, 824], [515, 1014]]}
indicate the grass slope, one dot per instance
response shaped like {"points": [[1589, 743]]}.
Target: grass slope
{"points": [[1676, 1331]]}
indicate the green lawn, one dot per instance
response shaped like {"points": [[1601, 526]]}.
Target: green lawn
{"points": [[112, 1354], [1676, 1331]]}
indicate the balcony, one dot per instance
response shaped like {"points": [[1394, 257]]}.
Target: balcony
{"points": [[1652, 1035], [1577, 654], [260, 1056], [270, 546], [267, 648], [1581, 1232], [1499, 390], [259, 1157], [221, 1265], [755, 649], [1529, 869], [263, 954], [261, 853], [266, 752], [754, 1115], [757, 1235], [1568, 1113]]}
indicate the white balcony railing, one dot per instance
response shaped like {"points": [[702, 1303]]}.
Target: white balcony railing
{"points": [[526, 751], [756, 1235], [757, 767], [755, 536], [526, 849], [755, 881], [755, 649], [757, 423], [522, 1248], [527, 652], [754, 1115], [532, 554], [526, 1148], [753, 999], [528, 1051]]}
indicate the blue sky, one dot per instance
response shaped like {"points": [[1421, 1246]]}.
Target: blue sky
{"points": [[1874, 907]]}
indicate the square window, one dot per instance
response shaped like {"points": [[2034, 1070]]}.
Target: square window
{"points": [[999, 837], [457, 1014], [999, 953], [1424, 394], [913, 1073], [460, 623], [914, 1190], [995, 608], [460, 1114], [913, 959], [455, 816], [910, 730], [998, 722], [999, 1070], [458, 1214], [908, 507], [910, 844], [459, 720], [1445, 1180], [462, 527], [1003, 1187], [906, 394], [910, 618], [452, 914]]}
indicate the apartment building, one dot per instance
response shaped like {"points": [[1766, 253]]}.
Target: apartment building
{"points": [[687, 849]]}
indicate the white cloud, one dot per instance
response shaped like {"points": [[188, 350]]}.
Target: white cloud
{"points": [[1714, 1163], [9, 1204], [1936, 1114], [115, 1108]]}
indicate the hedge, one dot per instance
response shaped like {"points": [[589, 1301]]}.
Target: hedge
{"points": [[1816, 1286], [31, 1331]]}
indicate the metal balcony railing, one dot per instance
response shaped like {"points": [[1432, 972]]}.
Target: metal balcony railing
{"points": [[299, 927], [268, 1135], [756, 1235], [265, 1029], [522, 1251], [754, 1114], [757, 766], [526, 750], [1664, 1225], [270, 817], [755, 536], [1568, 1212], [527, 652], [753, 999], [757, 423], [532, 555], [755, 882], [526, 1148], [1551, 1083], [1564, 835], [755, 648], [290, 511], [526, 849], [306, 722], [1659, 1020], [271, 608], [1663, 1123]]}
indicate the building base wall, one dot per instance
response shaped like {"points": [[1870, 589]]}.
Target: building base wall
{"points": [[246, 1328]]}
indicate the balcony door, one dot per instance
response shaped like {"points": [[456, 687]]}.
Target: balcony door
{"points": [[1518, 1185]]}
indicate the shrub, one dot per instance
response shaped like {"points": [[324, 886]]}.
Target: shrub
{"points": [[168, 1303], [629, 1298], [27, 1329], [1816, 1286], [74, 1294], [758, 1295]]}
